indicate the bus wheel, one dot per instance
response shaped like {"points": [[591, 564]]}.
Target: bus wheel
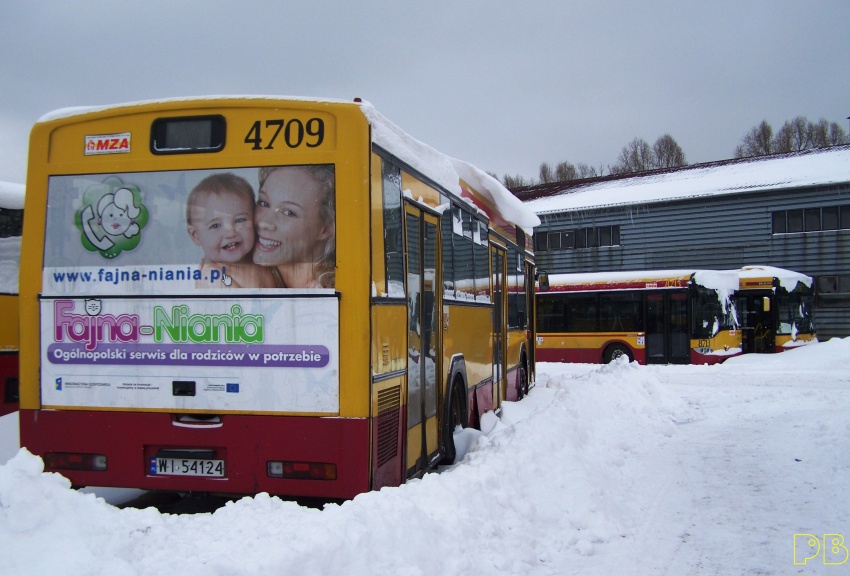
{"points": [[454, 418], [615, 351], [522, 381]]}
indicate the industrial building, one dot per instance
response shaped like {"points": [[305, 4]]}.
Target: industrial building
{"points": [[789, 210]]}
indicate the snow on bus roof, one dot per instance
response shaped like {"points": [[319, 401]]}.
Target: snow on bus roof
{"points": [[12, 195], [788, 279], [77, 110], [806, 168], [723, 281], [446, 171]]}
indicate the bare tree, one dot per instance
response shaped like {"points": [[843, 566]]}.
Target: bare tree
{"points": [[565, 171], [516, 181], [795, 135], [636, 156], [588, 171], [757, 142], [668, 153], [827, 134], [837, 135]]}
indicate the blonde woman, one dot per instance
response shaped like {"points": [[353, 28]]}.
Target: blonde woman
{"points": [[295, 222]]}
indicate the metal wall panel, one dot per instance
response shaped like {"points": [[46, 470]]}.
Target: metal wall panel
{"points": [[719, 232]]}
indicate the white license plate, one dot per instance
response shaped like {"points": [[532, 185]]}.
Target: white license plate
{"points": [[187, 467]]}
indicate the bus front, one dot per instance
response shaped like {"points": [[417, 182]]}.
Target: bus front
{"points": [[184, 285]]}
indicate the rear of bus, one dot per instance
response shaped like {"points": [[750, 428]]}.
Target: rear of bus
{"points": [[151, 362], [11, 224]]}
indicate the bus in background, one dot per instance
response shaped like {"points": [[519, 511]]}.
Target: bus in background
{"points": [[652, 317], [11, 223], [775, 309], [243, 295]]}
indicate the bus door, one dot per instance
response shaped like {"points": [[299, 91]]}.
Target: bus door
{"points": [[423, 340], [757, 327], [667, 340], [500, 334]]}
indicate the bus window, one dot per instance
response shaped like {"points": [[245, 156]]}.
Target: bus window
{"points": [[581, 314], [392, 229], [621, 312]]}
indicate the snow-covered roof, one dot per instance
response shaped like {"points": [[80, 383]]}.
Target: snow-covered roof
{"points": [[11, 195], [806, 168]]}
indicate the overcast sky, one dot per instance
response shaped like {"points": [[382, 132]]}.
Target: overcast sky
{"points": [[505, 85]]}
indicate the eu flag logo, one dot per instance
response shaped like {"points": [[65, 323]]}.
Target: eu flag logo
{"points": [[233, 388]]}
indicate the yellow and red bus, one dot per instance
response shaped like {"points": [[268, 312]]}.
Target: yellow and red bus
{"points": [[775, 309], [11, 223], [243, 295], [652, 317]]}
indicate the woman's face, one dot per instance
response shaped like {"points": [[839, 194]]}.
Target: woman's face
{"points": [[287, 217]]}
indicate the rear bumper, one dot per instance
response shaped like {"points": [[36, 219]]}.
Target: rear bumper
{"points": [[245, 442]]}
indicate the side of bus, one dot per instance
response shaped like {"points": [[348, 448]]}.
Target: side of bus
{"points": [[450, 317], [649, 317], [672, 317]]}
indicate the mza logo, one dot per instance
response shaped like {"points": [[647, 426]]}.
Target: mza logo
{"points": [[108, 144]]}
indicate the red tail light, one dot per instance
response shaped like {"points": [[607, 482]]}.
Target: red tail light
{"points": [[301, 470], [75, 461]]}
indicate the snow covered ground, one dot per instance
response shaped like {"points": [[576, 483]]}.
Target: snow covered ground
{"points": [[619, 469]]}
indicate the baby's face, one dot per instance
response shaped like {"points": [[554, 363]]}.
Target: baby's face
{"points": [[223, 225]]}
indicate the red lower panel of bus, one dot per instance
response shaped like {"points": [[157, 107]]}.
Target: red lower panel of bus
{"points": [[8, 383], [697, 358], [581, 355], [135, 444]]}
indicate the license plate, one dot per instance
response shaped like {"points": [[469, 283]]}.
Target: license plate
{"points": [[187, 467]]}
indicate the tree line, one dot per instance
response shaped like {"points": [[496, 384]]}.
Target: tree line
{"points": [[639, 156]]}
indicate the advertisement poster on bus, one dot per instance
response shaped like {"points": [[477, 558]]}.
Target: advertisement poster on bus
{"points": [[192, 289], [263, 354], [180, 232]]}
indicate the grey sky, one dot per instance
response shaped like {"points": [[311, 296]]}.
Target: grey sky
{"points": [[504, 85]]}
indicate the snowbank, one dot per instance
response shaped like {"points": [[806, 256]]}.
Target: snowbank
{"points": [[600, 470]]}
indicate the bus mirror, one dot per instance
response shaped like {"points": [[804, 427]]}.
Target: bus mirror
{"points": [[543, 281], [766, 303]]}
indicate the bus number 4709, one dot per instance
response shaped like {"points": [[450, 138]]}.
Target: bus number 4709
{"points": [[295, 133]]}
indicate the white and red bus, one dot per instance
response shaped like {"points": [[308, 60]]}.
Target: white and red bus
{"points": [[652, 317]]}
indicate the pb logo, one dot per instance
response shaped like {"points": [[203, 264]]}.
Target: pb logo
{"points": [[808, 547]]}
